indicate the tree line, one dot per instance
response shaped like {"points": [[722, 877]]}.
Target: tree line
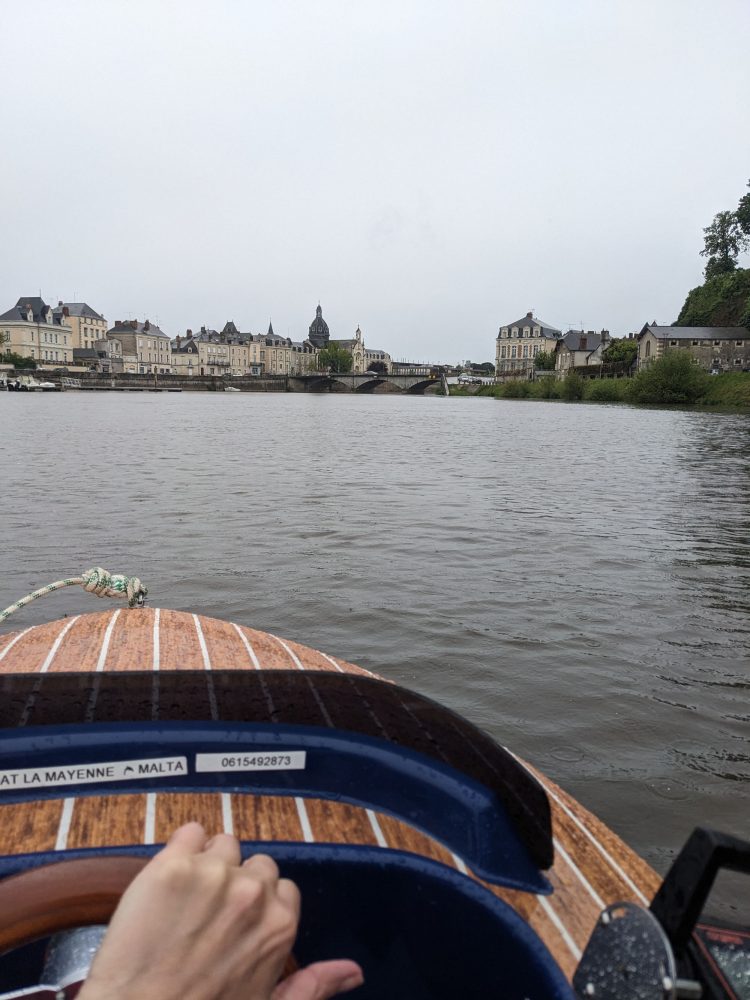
{"points": [[726, 238]]}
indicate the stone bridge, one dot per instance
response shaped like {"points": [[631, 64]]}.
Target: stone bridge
{"points": [[415, 385]]}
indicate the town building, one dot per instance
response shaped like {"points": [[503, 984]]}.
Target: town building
{"points": [[715, 348], [362, 356], [518, 343], [579, 348], [145, 348], [410, 368], [319, 334], [283, 356], [109, 356], [33, 330], [87, 324]]}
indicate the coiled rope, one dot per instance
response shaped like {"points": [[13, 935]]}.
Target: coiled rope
{"points": [[96, 581]]}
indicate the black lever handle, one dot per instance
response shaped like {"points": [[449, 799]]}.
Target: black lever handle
{"points": [[680, 900]]}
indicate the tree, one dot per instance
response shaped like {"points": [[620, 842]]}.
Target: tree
{"points": [[743, 213], [672, 378], [623, 351], [724, 240], [378, 366], [485, 366], [545, 360], [17, 360], [336, 359]]}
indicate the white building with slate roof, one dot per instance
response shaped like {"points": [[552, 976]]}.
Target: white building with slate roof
{"points": [[519, 343], [32, 330]]}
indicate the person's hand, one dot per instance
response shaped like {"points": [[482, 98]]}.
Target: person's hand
{"points": [[196, 924]]}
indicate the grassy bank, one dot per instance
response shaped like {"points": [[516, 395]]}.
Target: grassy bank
{"points": [[669, 381]]}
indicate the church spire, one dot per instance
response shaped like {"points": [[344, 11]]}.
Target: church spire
{"points": [[270, 328]]}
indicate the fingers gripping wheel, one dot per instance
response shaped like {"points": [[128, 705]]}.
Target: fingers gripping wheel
{"points": [[78, 895]]}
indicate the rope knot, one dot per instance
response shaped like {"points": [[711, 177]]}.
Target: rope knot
{"points": [[104, 584]]}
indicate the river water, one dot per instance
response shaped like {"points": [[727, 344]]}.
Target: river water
{"points": [[573, 578]]}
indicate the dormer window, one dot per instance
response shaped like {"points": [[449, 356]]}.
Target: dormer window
{"points": [[537, 331], [514, 332], [526, 331]]}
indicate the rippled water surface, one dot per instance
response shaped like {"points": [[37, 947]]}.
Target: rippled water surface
{"points": [[573, 578]]}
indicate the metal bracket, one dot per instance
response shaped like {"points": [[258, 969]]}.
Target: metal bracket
{"points": [[629, 957]]}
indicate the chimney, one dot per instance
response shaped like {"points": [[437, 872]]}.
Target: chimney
{"points": [[189, 334], [178, 338], [605, 336], [59, 302], [146, 327], [66, 311], [530, 315]]}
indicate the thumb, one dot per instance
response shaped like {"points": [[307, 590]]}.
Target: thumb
{"points": [[320, 981]]}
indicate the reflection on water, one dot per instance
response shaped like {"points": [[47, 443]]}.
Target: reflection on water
{"points": [[575, 579]]}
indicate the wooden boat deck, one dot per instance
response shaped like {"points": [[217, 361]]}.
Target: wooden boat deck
{"points": [[592, 866]]}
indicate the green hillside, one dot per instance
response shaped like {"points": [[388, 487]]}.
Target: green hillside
{"points": [[721, 301]]}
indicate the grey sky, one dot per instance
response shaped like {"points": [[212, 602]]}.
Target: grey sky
{"points": [[428, 170]]}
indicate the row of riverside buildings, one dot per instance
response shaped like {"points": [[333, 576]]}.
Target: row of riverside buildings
{"points": [[74, 335], [518, 344]]}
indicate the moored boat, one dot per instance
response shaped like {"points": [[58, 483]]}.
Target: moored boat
{"points": [[424, 850]]}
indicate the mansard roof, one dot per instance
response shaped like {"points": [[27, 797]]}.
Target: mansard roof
{"points": [[38, 307], [82, 309], [148, 328], [581, 340], [529, 319]]}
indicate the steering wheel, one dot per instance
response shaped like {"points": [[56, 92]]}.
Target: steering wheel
{"points": [[43, 901], [57, 897]]}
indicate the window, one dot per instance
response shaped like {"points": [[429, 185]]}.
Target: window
{"points": [[673, 343], [513, 351], [503, 351], [716, 343], [738, 361], [695, 343], [738, 343], [514, 332], [526, 350]]}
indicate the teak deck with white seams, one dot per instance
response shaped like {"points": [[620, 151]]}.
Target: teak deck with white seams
{"points": [[592, 868]]}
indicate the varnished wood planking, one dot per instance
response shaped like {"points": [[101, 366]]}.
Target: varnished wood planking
{"points": [[107, 820], [172, 809], [339, 823], [82, 643], [26, 827], [269, 652], [226, 651], [265, 817], [406, 838], [533, 911], [31, 651], [131, 646], [179, 642], [604, 876]]}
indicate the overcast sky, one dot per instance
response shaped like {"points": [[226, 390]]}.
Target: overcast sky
{"points": [[426, 170]]}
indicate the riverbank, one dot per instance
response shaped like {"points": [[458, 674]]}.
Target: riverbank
{"points": [[731, 390]]}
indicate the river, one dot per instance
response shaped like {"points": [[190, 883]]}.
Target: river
{"points": [[573, 578]]}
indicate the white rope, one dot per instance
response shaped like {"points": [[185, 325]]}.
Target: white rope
{"points": [[96, 581]]}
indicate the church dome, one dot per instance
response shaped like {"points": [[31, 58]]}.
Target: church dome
{"points": [[319, 334]]}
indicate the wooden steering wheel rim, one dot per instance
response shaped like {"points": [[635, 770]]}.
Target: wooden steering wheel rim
{"points": [[57, 897]]}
